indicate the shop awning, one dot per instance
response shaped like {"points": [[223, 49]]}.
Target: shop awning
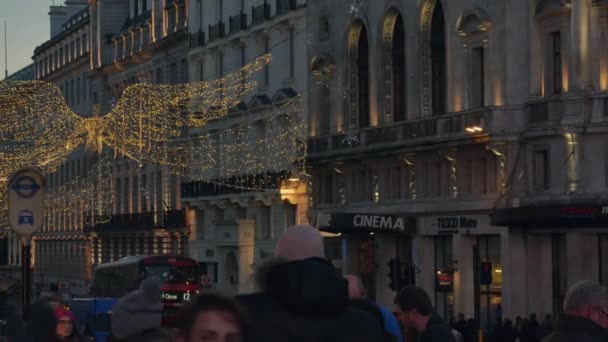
{"points": [[366, 223], [553, 216]]}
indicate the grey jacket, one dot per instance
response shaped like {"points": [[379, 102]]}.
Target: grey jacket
{"points": [[572, 328]]}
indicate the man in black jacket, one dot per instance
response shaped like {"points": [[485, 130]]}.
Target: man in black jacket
{"points": [[415, 312], [585, 317], [303, 298]]}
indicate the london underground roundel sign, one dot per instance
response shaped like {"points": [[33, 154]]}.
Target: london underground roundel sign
{"points": [[26, 202]]}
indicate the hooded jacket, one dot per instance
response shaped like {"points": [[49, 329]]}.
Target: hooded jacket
{"points": [[574, 328], [307, 301]]}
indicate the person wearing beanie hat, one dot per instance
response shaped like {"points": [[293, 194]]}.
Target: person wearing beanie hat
{"points": [[303, 297], [65, 325], [137, 316]]}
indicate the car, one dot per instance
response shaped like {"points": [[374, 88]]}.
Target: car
{"points": [[26, 217]]}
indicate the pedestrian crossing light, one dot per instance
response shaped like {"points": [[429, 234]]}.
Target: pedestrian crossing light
{"points": [[394, 274], [485, 274]]}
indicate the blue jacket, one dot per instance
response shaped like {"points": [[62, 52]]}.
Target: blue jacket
{"points": [[391, 325]]}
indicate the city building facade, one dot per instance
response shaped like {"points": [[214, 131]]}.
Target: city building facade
{"points": [[61, 251], [138, 41], [96, 50], [236, 216], [465, 143]]}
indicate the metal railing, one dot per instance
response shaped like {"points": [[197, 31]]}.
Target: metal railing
{"points": [[260, 14], [451, 125], [217, 31], [197, 39], [238, 22], [284, 6]]}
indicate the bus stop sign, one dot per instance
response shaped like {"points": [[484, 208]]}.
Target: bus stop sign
{"points": [[26, 202]]}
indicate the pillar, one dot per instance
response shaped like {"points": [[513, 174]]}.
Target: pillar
{"points": [[581, 45], [246, 255], [423, 256], [539, 275], [513, 259], [582, 257]]}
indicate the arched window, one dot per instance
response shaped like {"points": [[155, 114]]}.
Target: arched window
{"points": [[359, 76], [394, 68], [322, 70], [438, 60], [434, 58]]}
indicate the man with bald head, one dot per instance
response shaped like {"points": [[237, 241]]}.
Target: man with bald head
{"points": [[304, 298], [356, 291]]}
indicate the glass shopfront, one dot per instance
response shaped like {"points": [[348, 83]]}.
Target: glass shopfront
{"points": [[488, 281], [444, 285]]}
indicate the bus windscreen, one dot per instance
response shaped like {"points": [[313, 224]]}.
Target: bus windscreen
{"points": [[173, 274]]}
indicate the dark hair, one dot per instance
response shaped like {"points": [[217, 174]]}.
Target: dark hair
{"points": [[213, 302], [412, 297]]}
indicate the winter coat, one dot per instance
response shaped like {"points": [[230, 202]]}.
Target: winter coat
{"points": [[573, 328], [307, 301], [147, 336], [436, 331]]}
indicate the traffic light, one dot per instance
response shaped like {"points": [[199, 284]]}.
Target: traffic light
{"points": [[394, 274], [485, 273], [409, 276]]}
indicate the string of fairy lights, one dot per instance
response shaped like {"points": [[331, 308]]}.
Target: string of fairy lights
{"points": [[146, 124]]}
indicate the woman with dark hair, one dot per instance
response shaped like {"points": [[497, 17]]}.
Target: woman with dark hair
{"points": [[213, 318]]}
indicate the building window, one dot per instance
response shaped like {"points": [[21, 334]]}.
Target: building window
{"points": [[603, 258], [117, 203], [478, 78], [265, 224], [394, 68], [324, 29], [363, 79], [479, 176], [85, 43], [72, 92], [328, 189], [135, 195], [438, 60], [126, 195], [291, 214], [292, 73], [487, 253], [556, 60], [159, 76], [78, 50], [78, 90], [72, 50], [540, 165], [184, 71], [173, 74], [434, 179]]}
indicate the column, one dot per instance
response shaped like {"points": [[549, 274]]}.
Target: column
{"points": [[581, 45], [245, 255], [538, 275], [383, 253], [513, 258], [582, 257], [423, 256], [464, 290]]}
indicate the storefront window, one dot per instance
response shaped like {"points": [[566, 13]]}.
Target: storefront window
{"points": [[444, 293], [333, 251], [489, 281], [603, 255]]}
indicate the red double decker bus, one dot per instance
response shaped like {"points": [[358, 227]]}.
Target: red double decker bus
{"points": [[179, 276]]}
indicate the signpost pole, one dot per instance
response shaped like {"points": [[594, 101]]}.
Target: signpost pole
{"points": [[26, 272], [26, 215]]}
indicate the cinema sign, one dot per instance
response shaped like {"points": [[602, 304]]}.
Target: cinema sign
{"points": [[359, 222]]}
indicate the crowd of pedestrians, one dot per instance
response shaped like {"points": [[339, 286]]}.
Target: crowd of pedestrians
{"points": [[302, 298]]}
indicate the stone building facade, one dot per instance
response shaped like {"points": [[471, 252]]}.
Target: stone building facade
{"points": [[233, 227], [480, 128]]}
